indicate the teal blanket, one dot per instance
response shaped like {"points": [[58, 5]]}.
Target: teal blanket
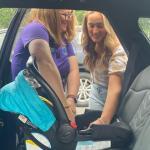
{"points": [[19, 97]]}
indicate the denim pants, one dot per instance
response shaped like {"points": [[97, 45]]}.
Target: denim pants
{"points": [[97, 97]]}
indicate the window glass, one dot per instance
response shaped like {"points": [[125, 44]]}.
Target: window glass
{"points": [[6, 15], [85, 77], [144, 24]]}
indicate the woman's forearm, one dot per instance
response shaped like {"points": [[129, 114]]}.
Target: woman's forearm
{"points": [[110, 108], [46, 66], [113, 93], [51, 75], [73, 83], [73, 80]]}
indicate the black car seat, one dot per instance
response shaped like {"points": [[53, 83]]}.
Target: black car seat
{"points": [[136, 110], [61, 133]]}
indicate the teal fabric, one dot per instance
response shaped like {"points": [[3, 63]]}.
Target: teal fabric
{"points": [[19, 97]]}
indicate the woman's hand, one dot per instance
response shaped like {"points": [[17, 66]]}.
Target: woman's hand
{"points": [[71, 104], [69, 113], [98, 121]]}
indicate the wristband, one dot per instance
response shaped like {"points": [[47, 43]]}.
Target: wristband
{"points": [[73, 97]]}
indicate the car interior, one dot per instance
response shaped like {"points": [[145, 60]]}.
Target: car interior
{"points": [[135, 96]]}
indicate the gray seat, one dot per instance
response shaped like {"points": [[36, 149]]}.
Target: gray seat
{"points": [[136, 110]]}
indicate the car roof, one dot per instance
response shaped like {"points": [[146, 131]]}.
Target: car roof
{"points": [[121, 13], [141, 7]]}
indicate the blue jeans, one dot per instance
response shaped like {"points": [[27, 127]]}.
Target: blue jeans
{"points": [[97, 97]]}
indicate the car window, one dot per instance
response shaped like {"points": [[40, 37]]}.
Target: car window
{"points": [[22, 24], [6, 15], [144, 24], [85, 76]]}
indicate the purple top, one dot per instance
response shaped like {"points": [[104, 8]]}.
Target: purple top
{"points": [[21, 54]]}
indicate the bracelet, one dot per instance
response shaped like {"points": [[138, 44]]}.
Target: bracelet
{"points": [[73, 97]]}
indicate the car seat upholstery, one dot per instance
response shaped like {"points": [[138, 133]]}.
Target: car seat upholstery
{"points": [[136, 110]]}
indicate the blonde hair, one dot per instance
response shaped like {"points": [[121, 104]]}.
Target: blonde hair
{"points": [[110, 43], [50, 18]]}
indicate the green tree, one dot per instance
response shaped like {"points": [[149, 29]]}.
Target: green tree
{"points": [[6, 15], [80, 15], [144, 24]]}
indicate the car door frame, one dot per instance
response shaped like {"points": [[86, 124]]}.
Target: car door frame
{"points": [[5, 74]]}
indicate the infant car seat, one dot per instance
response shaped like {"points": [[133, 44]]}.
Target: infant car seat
{"points": [[42, 123], [61, 134]]}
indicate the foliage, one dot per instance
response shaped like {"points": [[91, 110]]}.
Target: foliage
{"points": [[80, 16], [144, 24], [6, 15]]}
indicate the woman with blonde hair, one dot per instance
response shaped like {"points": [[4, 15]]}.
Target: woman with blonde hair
{"points": [[106, 60], [47, 37]]}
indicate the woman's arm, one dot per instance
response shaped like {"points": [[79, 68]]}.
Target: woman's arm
{"points": [[111, 103], [73, 82], [41, 51]]}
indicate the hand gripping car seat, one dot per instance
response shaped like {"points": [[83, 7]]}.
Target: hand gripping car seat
{"points": [[42, 122], [61, 134]]}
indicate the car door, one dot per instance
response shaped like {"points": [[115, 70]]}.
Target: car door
{"points": [[5, 74], [7, 123]]}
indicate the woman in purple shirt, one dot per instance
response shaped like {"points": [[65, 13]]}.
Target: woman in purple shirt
{"points": [[47, 37]]}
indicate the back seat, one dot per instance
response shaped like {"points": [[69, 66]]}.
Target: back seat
{"points": [[136, 110]]}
